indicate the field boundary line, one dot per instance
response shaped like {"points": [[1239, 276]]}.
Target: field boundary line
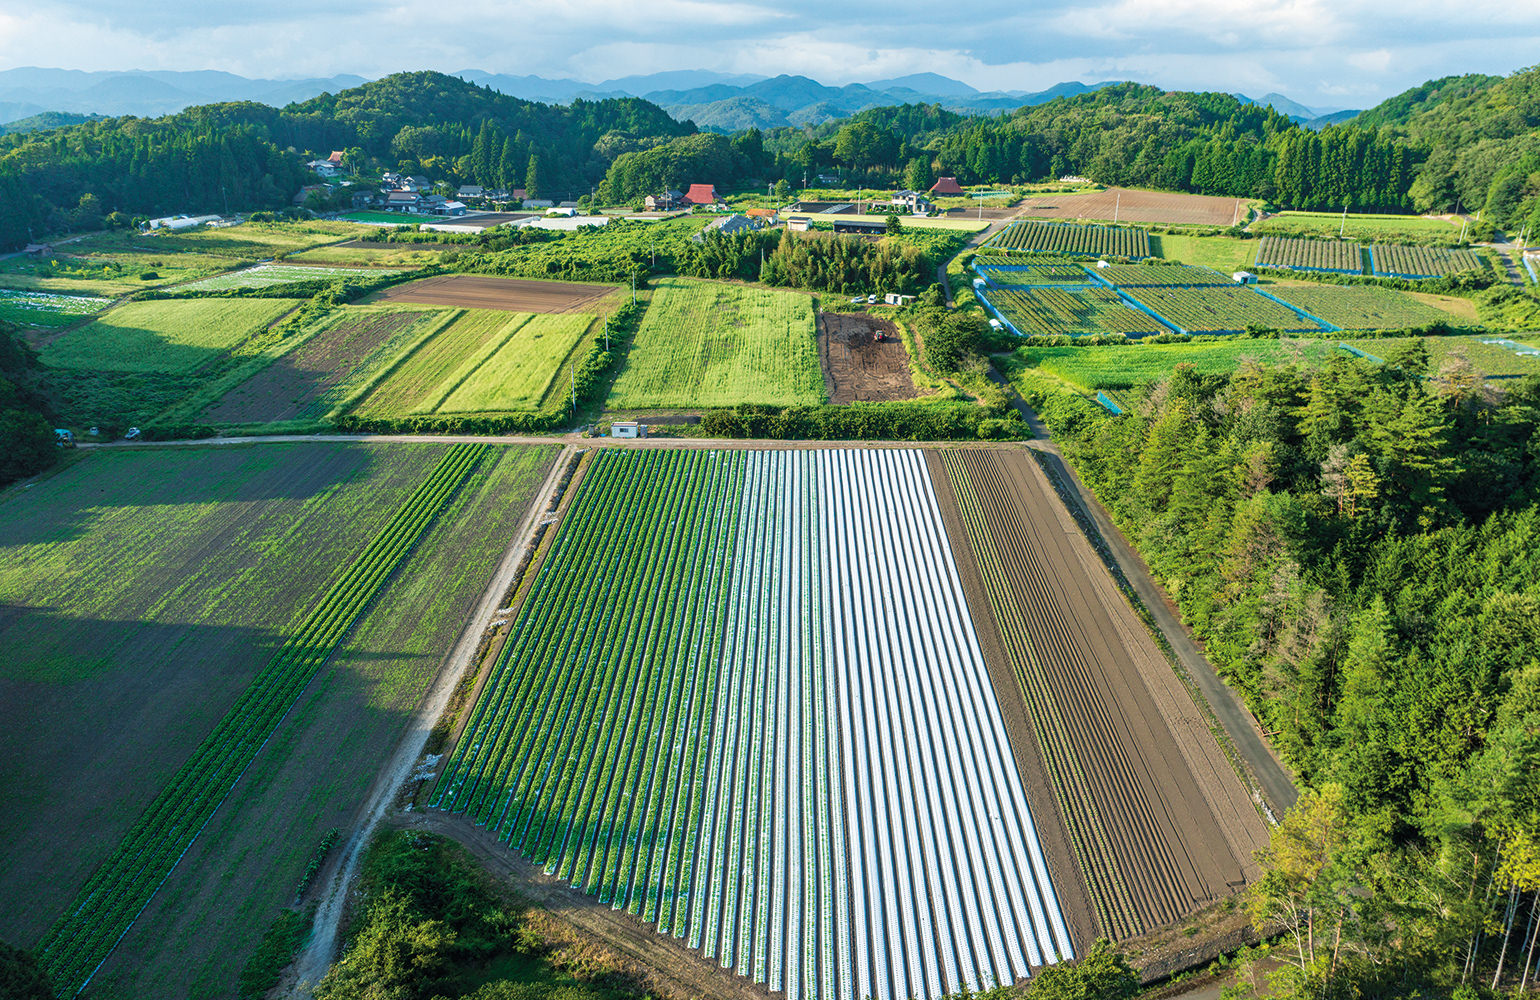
{"points": [[358, 395], [472, 366]]}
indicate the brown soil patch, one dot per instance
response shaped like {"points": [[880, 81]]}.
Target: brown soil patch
{"points": [[288, 388], [856, 366], [1068, 883], [388, 245], [1162, 825], [1128, 205], [474, 291]]}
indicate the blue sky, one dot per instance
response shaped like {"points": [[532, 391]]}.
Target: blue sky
{"points": [[1324, 53]]}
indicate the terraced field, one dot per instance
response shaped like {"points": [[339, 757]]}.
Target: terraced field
{"points": [[742, 708], [1398, 261], [1334, 256], [1219, 309], [1363, 307]]}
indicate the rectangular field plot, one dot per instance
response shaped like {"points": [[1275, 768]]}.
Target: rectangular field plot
{"points": [[518, 375], [47, 308], [1162, 275], [1124, 367], [1363, 307], [1219, 310], [744, 701], [478, 291], [1067, 238], [161, 613], [171, 335], [1397, 261], [1159, 822], [1029, 271], [267, 275], [1077, 312], [434, 366], [1336, 256], [705, 343]]}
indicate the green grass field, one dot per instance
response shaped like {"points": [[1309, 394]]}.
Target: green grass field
{"points": [[1222, 253], [107, 274], [164, 335], [518, 375], [151, 585], [1488, 359], [1415, 228], [707, 344], [1093, 368], [389, 218], [396, 255]]}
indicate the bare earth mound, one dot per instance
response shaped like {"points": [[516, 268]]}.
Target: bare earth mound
{"points": [[474, 291], [1127, 205], [1158, 820], [855, 365]]}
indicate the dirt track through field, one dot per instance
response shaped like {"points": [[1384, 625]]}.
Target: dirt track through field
{"points": [[1159, 821], [475, 291], [1128, 205], [858, 367]]}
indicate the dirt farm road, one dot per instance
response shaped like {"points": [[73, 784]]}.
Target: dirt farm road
{"points": [[337, 878]]}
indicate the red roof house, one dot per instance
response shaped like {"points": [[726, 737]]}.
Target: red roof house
{"points": [[336, 157], [701, 194], [946, 185]]}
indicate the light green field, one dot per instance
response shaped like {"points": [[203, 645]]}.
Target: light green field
{"points": [[108, 274], [1222, 253], [707, 344], [175, 335], [1363, 307], [1365, 227], [438, 364], [519, 373], [1120, 367]]}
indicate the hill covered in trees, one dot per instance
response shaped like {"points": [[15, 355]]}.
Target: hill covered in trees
{"points": [[243, 156]]}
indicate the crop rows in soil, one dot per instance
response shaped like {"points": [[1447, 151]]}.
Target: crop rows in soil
{"points": [[288, 387], [476, 291], [1157, 821]]}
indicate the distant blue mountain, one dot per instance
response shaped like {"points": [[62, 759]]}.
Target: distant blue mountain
{"points": [[146, 92]]}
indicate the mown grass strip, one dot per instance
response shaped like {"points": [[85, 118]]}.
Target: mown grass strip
{"points": [[124, 884]]}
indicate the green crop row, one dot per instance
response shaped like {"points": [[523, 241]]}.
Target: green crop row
{"points": [[120, 889], [1068, 238], [1083, 312], [1311, 255]]}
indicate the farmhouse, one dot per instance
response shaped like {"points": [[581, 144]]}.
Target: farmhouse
{"points": [[309, 189], [665, 202], [471, 191], [449, 208], [701, 194], [336, 158], [946, 186], [326, 168], [538, 203], [768, 214], [799, 225], [407, 200], [728, 225], [914, 201]]}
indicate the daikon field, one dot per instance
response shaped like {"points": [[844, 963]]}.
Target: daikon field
{"points": [[743, 700]]}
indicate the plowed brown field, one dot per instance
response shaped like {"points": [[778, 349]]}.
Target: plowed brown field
{"points": [[1128, 205], [476, 291], [1157, 819], [857, 367]]}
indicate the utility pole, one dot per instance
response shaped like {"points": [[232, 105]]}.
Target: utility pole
{"points": [[572, 375], [1117, 209], [1343, 228], [606, 335], [633, 288]]}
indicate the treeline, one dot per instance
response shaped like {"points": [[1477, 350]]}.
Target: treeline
{"points": [[1359, 549], [707, 158], [236, 157], [27, 435]]}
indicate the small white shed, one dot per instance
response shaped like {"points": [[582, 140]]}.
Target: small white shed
{"points": [[1244, 278], [628, 429]]}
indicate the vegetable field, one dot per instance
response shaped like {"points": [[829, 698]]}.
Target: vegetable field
{"points": [[1335, 256], [738, 706], [1219, 310], [1162, 275], [168, 335], [1157, 820], [1067, 238], [1026, 271], [1050, 312], [1328, 225], [704, 343], [267, 275], [165, 605], [1363, 307], [519, 374], [47, 308], [1396, 261]]}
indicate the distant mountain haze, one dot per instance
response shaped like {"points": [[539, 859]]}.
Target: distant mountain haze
{"points": [[714, 101]]}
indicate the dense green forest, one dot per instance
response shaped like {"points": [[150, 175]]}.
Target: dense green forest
{"points": [[1358, 547], [1466, 142], [243, 156], [24, 427]]}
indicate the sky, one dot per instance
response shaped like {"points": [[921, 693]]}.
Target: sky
{"points": [[1322, 53]]}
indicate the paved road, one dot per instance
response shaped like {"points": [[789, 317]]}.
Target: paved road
{"points": [[1276, 785]]}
